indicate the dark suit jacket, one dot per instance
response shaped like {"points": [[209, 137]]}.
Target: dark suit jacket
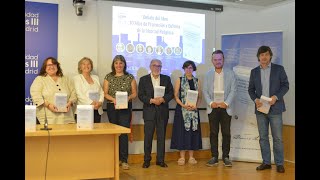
{"points": [[145, 93], [279, 86]]}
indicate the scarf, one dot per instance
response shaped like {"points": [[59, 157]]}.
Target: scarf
{"points": [[188, 116]]}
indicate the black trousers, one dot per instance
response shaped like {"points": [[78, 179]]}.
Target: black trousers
{"points": [[160, 126], [37, 121], [96, 117], [121, 117], [216, 117]]}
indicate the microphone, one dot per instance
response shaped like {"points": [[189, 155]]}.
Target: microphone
{"points": [[45, 127]]}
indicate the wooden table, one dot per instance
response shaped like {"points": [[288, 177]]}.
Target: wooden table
{"points": [[69, 153]]}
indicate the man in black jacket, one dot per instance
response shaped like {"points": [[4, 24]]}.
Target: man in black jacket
{"points": [[155, 111]]}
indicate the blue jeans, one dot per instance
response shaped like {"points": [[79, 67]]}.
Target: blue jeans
{"points": [[275, 122]]}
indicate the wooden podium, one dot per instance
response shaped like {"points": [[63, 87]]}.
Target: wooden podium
{"points": [[72, 153]]}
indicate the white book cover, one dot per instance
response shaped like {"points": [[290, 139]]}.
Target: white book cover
{"points": [[60, 101], [265, 104], [121, 100], [94, 95], [192, 97], [85, 117], [218, 96], [159, 91], [30, 118]]}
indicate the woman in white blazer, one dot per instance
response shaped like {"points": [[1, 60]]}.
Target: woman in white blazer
{"points": [[88, 88]]}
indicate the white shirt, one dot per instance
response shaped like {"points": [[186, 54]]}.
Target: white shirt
{"points": [[155, 82], [218, 81]]}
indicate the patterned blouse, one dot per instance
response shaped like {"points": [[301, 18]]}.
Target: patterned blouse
{"points": [[119, 83]]}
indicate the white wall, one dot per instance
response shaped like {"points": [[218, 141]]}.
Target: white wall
{"points": [[79, 36]]}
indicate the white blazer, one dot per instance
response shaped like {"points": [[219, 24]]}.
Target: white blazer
{"points": [[82, 87]]}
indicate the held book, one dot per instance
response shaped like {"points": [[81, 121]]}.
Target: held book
{"points": [[60, 101], [218, 96], [94, 95], [30, 118], [85, 117], [121, 100], [159, 91], [265, 104], [192, 97]]}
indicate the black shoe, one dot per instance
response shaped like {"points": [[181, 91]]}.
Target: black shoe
{"points": [[280, 169], [146, 164], [212, 162], [227, 162], [263, 167], [162, 164]]}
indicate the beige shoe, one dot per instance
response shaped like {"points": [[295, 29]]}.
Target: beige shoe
{"points": [[181, 161], [192, 161], [125, 166]]}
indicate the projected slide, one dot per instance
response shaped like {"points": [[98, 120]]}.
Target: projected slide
{"points": [[143, 34]]}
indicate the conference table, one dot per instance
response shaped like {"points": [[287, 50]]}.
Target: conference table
{"points": [[67, 153]]}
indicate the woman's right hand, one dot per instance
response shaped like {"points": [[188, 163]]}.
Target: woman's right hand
{"points": [[114, 103], [52, 108], [187, 106]]}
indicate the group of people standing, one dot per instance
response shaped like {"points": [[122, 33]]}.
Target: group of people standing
{"points": [[267, 79]]}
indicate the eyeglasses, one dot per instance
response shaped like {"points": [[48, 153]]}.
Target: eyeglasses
{"points": [[189, 68], [51, 65], [156, 66]]}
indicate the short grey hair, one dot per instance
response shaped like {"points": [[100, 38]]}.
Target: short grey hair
{"points": [[155, 60]]}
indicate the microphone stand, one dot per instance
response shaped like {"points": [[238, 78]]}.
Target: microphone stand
{"points": [[45, 127]]}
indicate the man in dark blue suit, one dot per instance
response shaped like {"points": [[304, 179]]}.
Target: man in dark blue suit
{"points": [[269, 80], [155, 111]]}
